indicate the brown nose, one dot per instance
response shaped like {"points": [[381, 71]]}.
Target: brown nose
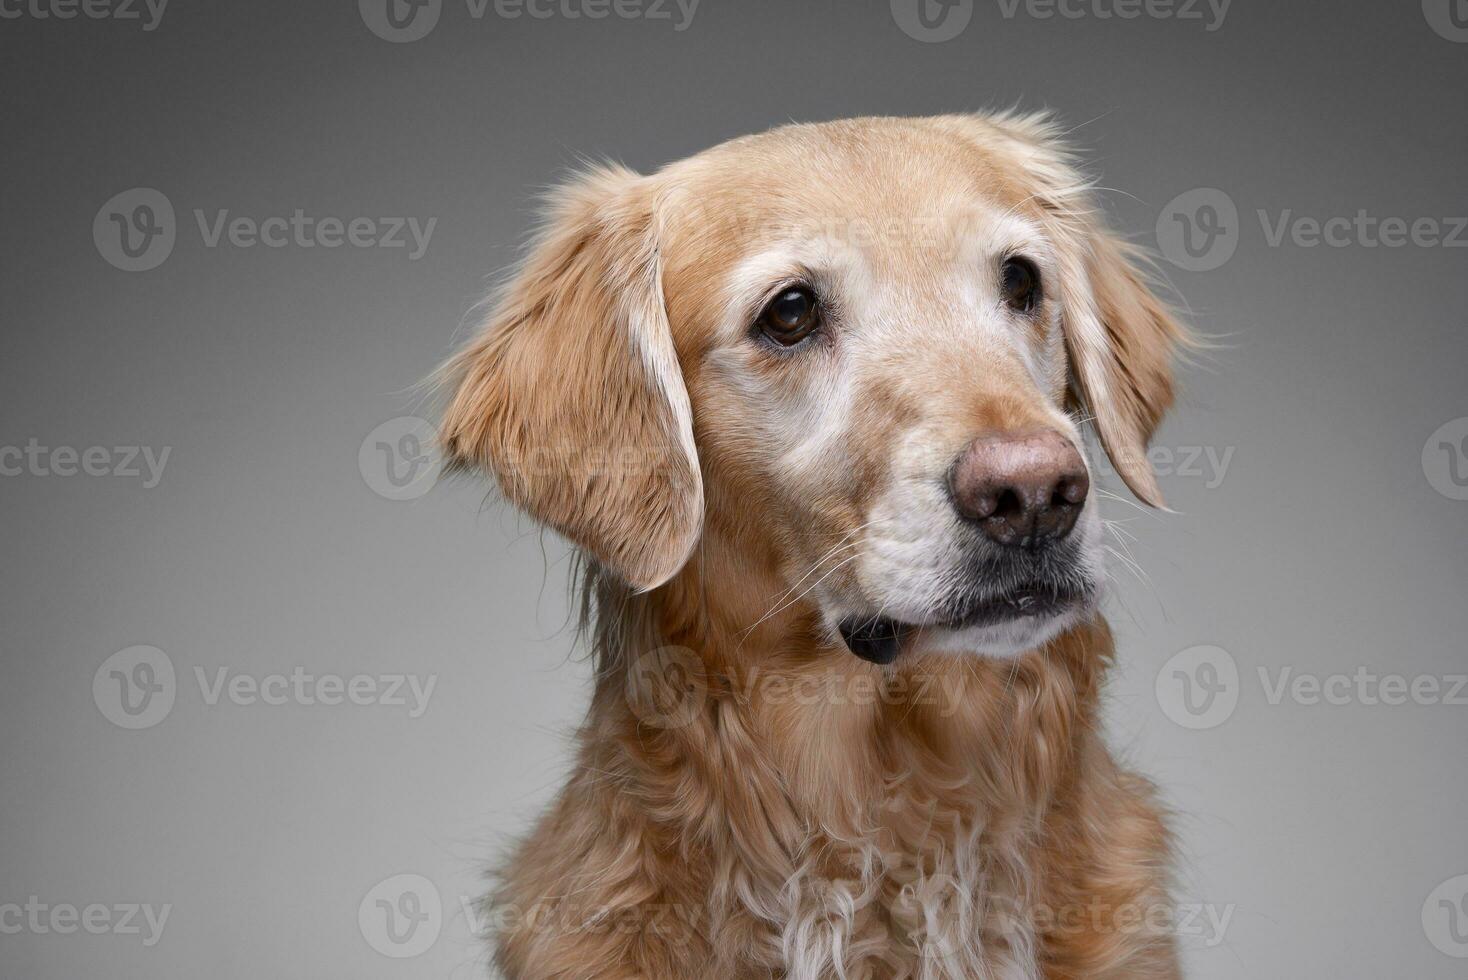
{"points": [[1022, 490]]}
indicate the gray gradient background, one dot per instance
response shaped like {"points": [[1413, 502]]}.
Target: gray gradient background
{"points": [[1324, 548]]}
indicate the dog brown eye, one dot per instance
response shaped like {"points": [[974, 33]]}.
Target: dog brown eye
{"points": [[1021, 284], [791, 316]]}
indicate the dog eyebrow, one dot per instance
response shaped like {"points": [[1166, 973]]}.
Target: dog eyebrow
{"points": [[761, 274], [1034, 247], [1012, 234]]}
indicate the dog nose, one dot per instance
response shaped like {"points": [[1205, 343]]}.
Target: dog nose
{"points": [[1022, 490]]}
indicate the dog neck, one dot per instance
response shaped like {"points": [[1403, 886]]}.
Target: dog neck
{"points": [[693, 672]]}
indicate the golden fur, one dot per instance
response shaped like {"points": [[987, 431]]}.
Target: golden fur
{"points": [[750, 800]]}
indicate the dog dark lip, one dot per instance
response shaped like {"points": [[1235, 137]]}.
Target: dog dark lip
{"points": [[879, 639], [1025, 601], [874, 639]]}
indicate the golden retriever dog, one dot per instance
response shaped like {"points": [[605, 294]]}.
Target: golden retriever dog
{"points": [[809, 404]]}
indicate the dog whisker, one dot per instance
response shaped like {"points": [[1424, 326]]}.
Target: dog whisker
{"points": [[802, 595]]}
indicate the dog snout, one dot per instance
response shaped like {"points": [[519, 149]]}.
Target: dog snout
{"points": [[1023, 490]]}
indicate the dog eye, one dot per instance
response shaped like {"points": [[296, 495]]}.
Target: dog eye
{"points": [[791, 316], [1021, 284]]}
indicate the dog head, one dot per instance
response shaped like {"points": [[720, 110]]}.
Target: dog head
{"points": [[854, 356]]}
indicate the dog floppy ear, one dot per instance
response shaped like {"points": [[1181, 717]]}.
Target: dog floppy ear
{"points": [[572, 397], [1122, 340], [1120, 337]]}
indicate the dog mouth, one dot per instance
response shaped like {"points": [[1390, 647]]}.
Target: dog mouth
{"points": [[880, 639]]}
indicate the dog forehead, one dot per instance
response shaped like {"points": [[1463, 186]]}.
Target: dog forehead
{"points": [[847, 177], [891, 198]]}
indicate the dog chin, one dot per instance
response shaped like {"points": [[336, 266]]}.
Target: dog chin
{"points": [[999, 640], [1001, 627], [987, 632]]}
